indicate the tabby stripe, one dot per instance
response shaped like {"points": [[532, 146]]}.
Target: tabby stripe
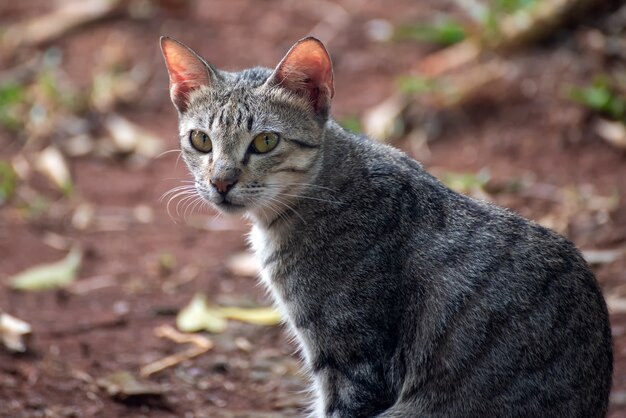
{"points": [[239, 117], [303, 144], [292, 170]]}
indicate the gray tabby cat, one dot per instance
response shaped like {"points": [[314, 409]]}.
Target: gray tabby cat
{"points": [[407, 299]]}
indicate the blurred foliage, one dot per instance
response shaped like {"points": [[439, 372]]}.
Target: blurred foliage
{"points": [[467, 183], [601, 96], [510, 6], [8, 181], [11, 97], [351, 123], [443, 32], [417, 84], [34, 207], [496, 10]]}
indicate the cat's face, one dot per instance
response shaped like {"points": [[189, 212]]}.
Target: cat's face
{"points": [[251, 139]]}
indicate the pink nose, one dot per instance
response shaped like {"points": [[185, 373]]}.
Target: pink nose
{"points": [[222, 186]]}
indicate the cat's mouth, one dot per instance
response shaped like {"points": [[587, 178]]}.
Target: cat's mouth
{"points": [[228, 206]]}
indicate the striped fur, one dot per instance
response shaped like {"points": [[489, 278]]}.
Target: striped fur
{"points": [[407, 299]]}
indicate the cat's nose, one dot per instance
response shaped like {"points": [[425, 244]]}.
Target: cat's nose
{"points": [[223, 186], [225, 181]]}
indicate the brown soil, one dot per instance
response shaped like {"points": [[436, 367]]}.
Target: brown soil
{"points": [[527, 133]]}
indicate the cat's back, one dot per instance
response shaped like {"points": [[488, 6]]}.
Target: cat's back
{"points": [[503, 304]]}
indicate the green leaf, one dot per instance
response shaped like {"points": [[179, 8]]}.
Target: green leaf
{"points": [[49, 276], [352, 123], [417, 84], [8, 181], [601, 97], [466, 182], [11, 95], [511, 6]]}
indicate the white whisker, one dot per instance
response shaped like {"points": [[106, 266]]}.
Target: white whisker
{"points": [[169, 202], [309, 197], [174, 190], [183, 201], [167, 152]]}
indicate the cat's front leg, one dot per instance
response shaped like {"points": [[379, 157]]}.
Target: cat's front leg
{"points": [[334, 399], [344, 394]]}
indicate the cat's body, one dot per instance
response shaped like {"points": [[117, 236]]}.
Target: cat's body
{"points": [[407, 299]]}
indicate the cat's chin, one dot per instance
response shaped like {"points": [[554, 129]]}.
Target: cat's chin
{"points": [[229, 207]]}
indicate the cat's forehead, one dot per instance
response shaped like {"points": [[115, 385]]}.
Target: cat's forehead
{"points": [[232, 88], [239, 101]]}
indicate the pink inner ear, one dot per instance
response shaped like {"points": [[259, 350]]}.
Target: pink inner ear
{"points": [[187, 72], [307, 67]]}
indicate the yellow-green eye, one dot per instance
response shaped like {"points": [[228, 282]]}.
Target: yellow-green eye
{"points": [[201, 141], [265, 142]]}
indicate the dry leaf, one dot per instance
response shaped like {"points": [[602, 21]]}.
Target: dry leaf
{"points": [[53, 165], [381, 121], [14, 332], [83, 216], [197, 316], [258, 316], [614, 132], [130, 138], [49, 276]]}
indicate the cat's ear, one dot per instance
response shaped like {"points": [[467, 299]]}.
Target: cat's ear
{"points": [[187, 71], [307, 70]]}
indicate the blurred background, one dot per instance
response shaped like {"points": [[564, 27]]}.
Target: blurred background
{"points": [[122, 296]]}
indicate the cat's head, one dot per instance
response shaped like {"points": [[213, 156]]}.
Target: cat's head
{"points": [[251, 139]]}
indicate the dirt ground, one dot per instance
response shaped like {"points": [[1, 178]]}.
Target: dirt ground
{"points": [[526, 134]]}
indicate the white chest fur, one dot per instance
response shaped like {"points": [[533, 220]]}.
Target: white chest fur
{"points": [[265, 243]]}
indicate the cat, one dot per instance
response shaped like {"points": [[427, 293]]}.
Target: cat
{"points": [[407, 299]]}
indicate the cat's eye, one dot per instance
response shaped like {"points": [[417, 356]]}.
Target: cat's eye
{"points": [[200, 141], [264, 142]]}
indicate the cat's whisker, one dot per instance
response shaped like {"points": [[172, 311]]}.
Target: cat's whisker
{"points": [[174, 190], [175, 196], [183, 202], [186, 207], [192, 206], [270, 207], [301, 184], [185, 180], [167, 152], [310, 197], [280, 214], [178, 194], [278, 200], [298, 196]]}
